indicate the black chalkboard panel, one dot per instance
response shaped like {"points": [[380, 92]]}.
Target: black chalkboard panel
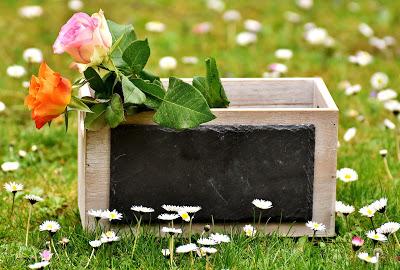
{"points": [[221, 168]]}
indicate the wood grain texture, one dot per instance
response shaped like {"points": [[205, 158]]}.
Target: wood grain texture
{"points": [[261, 95]]}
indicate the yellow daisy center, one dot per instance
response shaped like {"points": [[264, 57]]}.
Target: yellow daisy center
{"points": [[113, 215], [347, 176]]}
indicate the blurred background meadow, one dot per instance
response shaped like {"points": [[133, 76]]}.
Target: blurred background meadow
{"points": [[344, 42]]}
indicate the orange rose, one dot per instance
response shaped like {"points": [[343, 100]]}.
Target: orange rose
{"points": [[49, 95]]}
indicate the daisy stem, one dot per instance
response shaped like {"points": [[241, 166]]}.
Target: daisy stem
{"points": [[387, 168], [397, 145], [171, 250], [12, 205], [28, 225], [190, 230], [347, 222], [54, 248], [313, 236], [372, 222], [137, 235], [259, 219], [207, 263], [90, 258]]}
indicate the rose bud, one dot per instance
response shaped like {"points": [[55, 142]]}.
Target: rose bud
{"points": [[49, 95], [86, 38]]}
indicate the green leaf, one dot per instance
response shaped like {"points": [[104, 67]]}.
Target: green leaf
{"points": [[110, 80], [148, 76], [77, 104], [114, 114], [96, 120], [94, 79], [136, 55], [154, 93], [122, 35], [211, 86], [66, 119], [91, 100], [132, 94], [183, 107]]}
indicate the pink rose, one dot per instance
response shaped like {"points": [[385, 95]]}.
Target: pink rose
{"points": [[86, 38]]}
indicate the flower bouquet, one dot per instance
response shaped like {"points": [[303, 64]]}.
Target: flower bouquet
{"points": [[112, 61]]}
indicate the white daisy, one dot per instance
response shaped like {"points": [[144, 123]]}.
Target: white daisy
{"points": [[389, 124], [34, 148], [50, 226], [168, 63], [249, 230], [202, 28], [380, 205], [207, 250], [375, 236], [284, 54], [220, 238], [361, 58], [365, 257], [231, 15], [379, 80], [252, 26], [217, 5], [390, 41], [10, 166], [168, 217], [75, 5], [33, 198], [184, 215], [190, 60], [171, 230], [95, 213], [316, 36], [22, 153], [142, 209], [186, 248], [378, 43], [171, 208], [386, 95], [246, 38], [315, 226], [190, 209], [367, 211], [2, 106], [352, 89], [365, 30], [388, 228], [155, 27], [349, 134], [393, 106], [206, 242], [33, 55], [347, 175], [26, 84], [272, 74], [292, 17], [165, 252], [39, 265], [111, 215], [16, 71], [95, 243], [13, 187], [383, 152], [343, 208], [278, 67], [262, 204], [64, 241], [108, 237], [30, 12], [305, 4]]}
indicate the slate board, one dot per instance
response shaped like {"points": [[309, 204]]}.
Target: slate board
{"points": [[221, 168]]}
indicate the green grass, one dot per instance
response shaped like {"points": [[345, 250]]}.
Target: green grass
{"points": [[52, 171]]}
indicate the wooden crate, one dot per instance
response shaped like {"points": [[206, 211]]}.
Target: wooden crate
{"points": [[258, 102]]}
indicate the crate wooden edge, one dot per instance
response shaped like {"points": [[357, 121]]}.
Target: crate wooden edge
{"points": [[94, 148]]}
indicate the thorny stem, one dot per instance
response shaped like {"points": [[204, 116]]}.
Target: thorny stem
{"points": [[28, 225], [387, 168], [90, 258]]}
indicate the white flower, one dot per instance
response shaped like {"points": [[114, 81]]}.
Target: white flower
{"points": [[380, 205], [22, 153], [392, 105], [184, 215], [367, 211], [329, 42], [361, 58], [95, 243], [165, 252], [156, 27], [352, 89], [108, 237], [95, 213], [2, 106], [347, 175], [111, 215], [305, 4], [308, 26], [246, 38], [10, 166], [389, 124], [220, 238], [186, 248], [39, 265], [378, 43], [142, 209], [379, 80], [168, 217], [344, 208], [284, 54], [272, 74], [231, 15], [315, 226], [388, 228], [13, 187], [168, 63], [365, 257], [190, 209], [171, 230], [33, 55], [249, 230], [365, 30], [316, 36], [30, 12], [171, 208], [202, 28], [349, 134], [278, 67], [16, 71], [75, 5], [386, 95], [252, 26], [207, 250], [190, 60], [390, 41], [383, 152], [262, 204], [292, 17], [206, 242], [33, 198], [50, 226], [217, 5], [376, 236]]}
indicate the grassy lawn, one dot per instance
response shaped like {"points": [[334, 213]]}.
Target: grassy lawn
{"points": [[51, 171]]}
